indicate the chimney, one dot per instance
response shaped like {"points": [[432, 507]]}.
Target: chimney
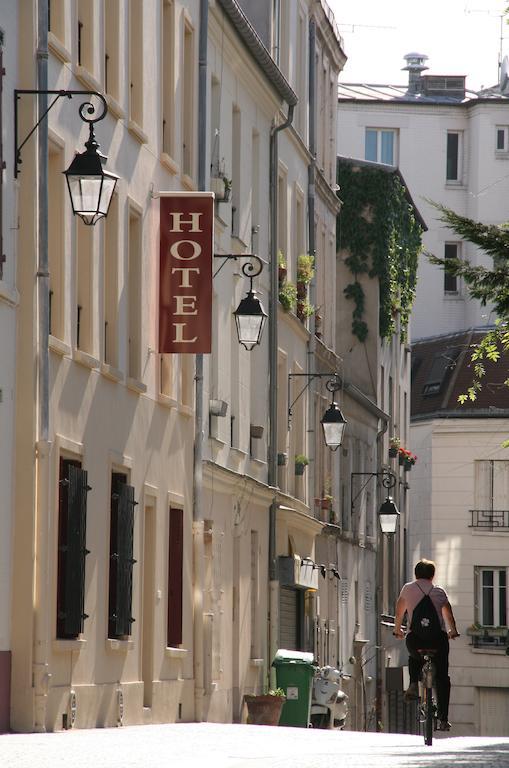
{"points": [[415, 64]]}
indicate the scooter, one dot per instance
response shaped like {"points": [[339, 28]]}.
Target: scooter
{"points": [[329, 704]]}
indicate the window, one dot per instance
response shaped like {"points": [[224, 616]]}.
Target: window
{"points": [[111, 49], [175, 567], [121, 557], [85, 35], [380, 145], [502, 138], [440, 370], [168, 79], [110, 285], [236, 171], [453, 170], [55, 241], [491, 487], [72, 521], [136, 61], [451, 251], [492, 596], [188, 126], [134, 292], [84, 254]]}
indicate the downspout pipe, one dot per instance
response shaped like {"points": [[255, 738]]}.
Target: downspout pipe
{"points": [[311, 344], [41, 675], [198, 523], [273, 386]]}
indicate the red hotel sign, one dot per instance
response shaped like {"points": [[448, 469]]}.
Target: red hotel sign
{"points": [[185, 279]]}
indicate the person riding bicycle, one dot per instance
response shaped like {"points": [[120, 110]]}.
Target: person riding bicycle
{"points": [[410, 596]]}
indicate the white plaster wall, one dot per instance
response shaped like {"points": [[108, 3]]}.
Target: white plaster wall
{"points": [[421, 159]]}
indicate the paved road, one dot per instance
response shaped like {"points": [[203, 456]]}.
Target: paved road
{"points": [[211, 745]]}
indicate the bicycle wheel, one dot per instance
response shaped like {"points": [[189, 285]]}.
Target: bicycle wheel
{"points": [[428, 726]]}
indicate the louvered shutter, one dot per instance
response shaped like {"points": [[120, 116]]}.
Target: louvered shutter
{"points": [[175, 565], [72, 550], [121, 557]]}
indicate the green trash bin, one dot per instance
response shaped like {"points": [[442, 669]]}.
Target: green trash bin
{"points": [[294, 674]]}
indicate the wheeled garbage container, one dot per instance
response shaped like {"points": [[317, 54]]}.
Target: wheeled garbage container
{"points": [[294, 674]]}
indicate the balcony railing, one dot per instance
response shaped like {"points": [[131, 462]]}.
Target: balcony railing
{"points": [[488, 637], [490, 519]]}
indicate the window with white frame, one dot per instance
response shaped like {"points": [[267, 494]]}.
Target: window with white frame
{"points": [[502, 138], [451, 283], [454, 156], [381, 145], [491, 594]]}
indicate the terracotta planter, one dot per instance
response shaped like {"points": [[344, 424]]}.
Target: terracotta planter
{"points": [[264, 710], [282, 272], [301, 290]]}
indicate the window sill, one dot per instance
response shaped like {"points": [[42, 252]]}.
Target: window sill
{"points": [[188, 182], [58, 48], [114, 107], [84, 359], [170, 164], [176, 653], [58, 346], [86, 78], [61, 646], [137, 131], [135, 385], [237, 453], [502, 154], [112, 373], [186, 410], [450, 183], [119, 645], [8, 295], [490, 651], [167, 401]]}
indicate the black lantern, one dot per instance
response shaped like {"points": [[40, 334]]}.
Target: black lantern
{"points": [[333, 423], [90, 186], [388, 516], [250, 318]]}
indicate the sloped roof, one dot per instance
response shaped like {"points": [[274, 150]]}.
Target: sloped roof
{"points": [[442, 370]]}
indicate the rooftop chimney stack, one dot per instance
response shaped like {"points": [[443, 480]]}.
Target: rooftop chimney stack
{"points": [[415, 65]]}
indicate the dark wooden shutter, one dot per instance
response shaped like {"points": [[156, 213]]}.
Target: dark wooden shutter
{"points": [[72, 551], [121, 557], [175, 566]]}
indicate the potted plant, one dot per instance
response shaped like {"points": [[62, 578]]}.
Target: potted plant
{"points": [[305, 268], [288, 296], [282, 267], [304, 309], [265, 709], [220, 184], [282, 458], [301, 463], [394, 444], [326, 501], [407, 459]]}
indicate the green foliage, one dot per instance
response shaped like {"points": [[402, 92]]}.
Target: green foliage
{"points": [[378, 227], [304, 309], [288, 296], [302, 460], [305, 268], [277, 692], [281, 259]]}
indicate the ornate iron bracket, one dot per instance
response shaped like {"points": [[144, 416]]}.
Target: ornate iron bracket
{"points": [[332, 385], [388, 481], [251, 269], [87, 108]]}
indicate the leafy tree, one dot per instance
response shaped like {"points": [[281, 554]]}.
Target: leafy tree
{"points": [[483, 283]]}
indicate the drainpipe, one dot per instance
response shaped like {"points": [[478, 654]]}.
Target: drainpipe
{"points": [[42, 589], [273, 384], [311, 345], [198, 524], [379, 571]]}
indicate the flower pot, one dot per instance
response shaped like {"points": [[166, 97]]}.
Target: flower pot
{"points": [[282, 272], [264, 710], [401, 460], [282, 458], [407, 465], [393, 452], [301, 290], [299, 469]]}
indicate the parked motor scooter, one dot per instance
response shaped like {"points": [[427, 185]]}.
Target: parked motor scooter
{"points": [[329, 704]]}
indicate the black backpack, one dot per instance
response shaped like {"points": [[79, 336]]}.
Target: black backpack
{"points": [[425, 624]]}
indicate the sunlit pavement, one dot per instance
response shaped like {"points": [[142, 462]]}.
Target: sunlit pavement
{"points": [[242, 746]]}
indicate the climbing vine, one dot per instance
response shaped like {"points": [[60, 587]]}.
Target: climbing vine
{"points": [[379, 229]]}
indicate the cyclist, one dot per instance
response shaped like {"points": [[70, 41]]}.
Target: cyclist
{"points": [[410, 595]]}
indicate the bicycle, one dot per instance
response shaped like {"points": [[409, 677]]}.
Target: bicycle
{"points": [[427, 705]]}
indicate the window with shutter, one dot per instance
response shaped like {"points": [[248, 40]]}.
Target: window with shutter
{"points": [[120, 619], [175, 565], [72, 551]]}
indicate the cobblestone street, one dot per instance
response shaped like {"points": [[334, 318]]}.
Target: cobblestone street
{"points": [[242, 746]]}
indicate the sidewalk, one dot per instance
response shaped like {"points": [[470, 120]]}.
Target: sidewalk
{"points": [[192, 745]]}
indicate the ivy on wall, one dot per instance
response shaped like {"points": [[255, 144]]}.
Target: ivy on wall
{"points": [[379, 228]]}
